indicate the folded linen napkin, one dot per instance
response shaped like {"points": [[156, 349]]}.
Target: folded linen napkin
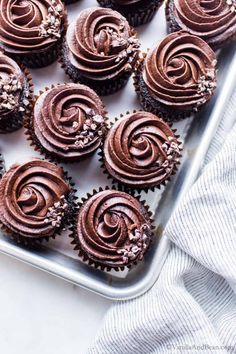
{"points": [[192, 306]]}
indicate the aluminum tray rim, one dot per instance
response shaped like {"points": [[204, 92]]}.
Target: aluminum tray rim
{"points": [[124, 293]]}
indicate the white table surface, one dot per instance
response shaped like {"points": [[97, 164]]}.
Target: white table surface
{"points": [[41, 314]]}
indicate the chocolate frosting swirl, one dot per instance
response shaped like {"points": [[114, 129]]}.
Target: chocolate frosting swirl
{"points": [[22, 23], [33, 198], [180, 72], [12, 82], [69, 121], [212, 20], [113, 228], [141, 150], [101, 44]]}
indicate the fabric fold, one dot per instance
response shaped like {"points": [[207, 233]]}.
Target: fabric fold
{"points": [[192, 306]]}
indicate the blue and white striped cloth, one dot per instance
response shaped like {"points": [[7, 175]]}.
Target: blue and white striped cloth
{"points": [[192, 307]]}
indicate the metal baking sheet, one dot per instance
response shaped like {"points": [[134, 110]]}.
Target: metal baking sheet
{"points": [[57, 256]]}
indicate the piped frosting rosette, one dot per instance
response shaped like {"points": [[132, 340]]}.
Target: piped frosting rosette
{"points": [[141, 151], [102, 45], [34, 200], [212, 20], [12, 86], [112, 229], [68, 122], [30, 25], [177, 77], [16, 94]]}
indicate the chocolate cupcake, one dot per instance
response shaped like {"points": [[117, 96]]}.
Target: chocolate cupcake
{"points": [[16, 94], [137, 12], [100, 50], [214, 21], [141, 151], [35, 201], [177, 77], [30, 31], [68, 122], [112, 229]]}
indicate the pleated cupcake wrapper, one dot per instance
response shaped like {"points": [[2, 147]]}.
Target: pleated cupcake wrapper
{"points": [[66, 223], [38, 60], [150, 104], [139, 16], [35, 143], [103, 88], [2, 166], [68, 2], [126, 188], [44, 58], [172, 26], [14, 123], [83, 255]]}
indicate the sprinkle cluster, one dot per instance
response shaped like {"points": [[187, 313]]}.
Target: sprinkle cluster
{"points": [[207, 83], [232, 5], [139, 240], [51, 26], [93, 126], [56, 212], [132, 46], [8, 87], [172, 151]]}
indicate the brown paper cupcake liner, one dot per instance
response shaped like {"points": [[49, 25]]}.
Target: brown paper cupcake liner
{"points": [[15, 121], [66, 223], [35, 60], [35, 143], [38, 60], [102, 88], [68, 2], [2, 166], [125, 187], [172, 26], [150, 104], [140, 16], [78, 247]]}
